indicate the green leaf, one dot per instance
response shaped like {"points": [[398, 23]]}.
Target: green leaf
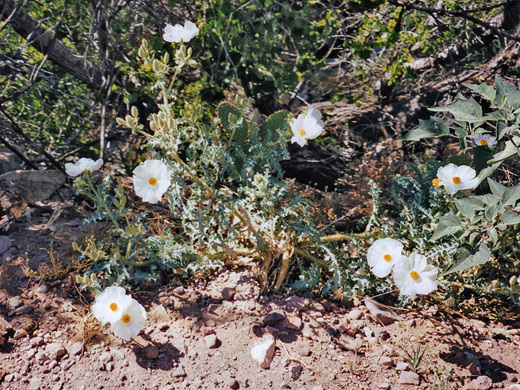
{"points": [[509, 150], [275, 126], [511, 196], [462, 109], [482, 154], [493, 234], [460, 159], [486, 91], [507, 130], [509, 218], [506, 94], [448, 224], [484, 173], [496, 188], [429, 128], [466, 260], [468, 206]]}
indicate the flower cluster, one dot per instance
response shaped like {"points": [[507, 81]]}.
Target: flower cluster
{"points": [[125, 315], [412, 275]]}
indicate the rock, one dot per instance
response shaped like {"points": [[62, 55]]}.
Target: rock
{"points": [[9, 378], [264, 352], [34, 185], [409, 378], [386, 361], [292, 321], [382, 313], [42, 288], [5, 244], [26, 309], [474, 367], [384, 386], [513, 387], [228, 293], [15, 302], [295, 370], [179, 372], [117, 354], [76, 348], [6, 330], [105, 357], [19, 333], [37, 341], [9, 161], [355, 314], [332, 331], [350, 343], [211, 341], [274, 317], [481, 383], [382, 334], [152, 352], [402, 366], [179, 290], [159, 313], [349, 328], [55, 351], [231, 383], [297, 303], [41, 357], [65, 365], [318, 387]]}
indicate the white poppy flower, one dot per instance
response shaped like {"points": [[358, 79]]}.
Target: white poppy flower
{"points": [[383, 255], [131, 321], [483, 140], [307, 126], [151, 180], [456, 178], [110, 304], [179, 33], [413, 275], [82, 165]]}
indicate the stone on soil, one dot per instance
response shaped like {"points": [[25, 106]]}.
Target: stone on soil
{"points": [[274, 317], [409, 378], [481, 383], [382, 313], [264, 352]]}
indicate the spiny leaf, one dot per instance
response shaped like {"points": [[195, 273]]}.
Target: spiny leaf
{"points": [[462, 109], [275, 126], [467, 260], [234, 123]]}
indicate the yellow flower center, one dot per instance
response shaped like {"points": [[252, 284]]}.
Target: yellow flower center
{"points": [[387, 257], [414, 275], [302, 132], [436, 182], [152, 181], [456, 180], [125, 318], [483, 142], [113, 306]]}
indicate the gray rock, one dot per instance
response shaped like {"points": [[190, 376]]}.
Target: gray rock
{"points": [[152, 352], [264, 352], [15, 302], [9, 161], [179, 372], [355, 314], [409, 378], [211, 341], [386, 361], [105, 357], [19, 333], [5, 244], [274, 317], [76, 348], [481, 383], [350, 343], [55, 351], [228, 293], [382, 313], [297, 303], [402, 366], [384, 386], [33, 186], [37, 341], [23, 310], [474, 367], [295, 370]]}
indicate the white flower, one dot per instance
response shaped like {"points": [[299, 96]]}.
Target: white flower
{"points": [[456, 178], [483, 140], [413, 275], [131, 321], [383, 255], [151, 180], [306, 126], [110, 304], [178, 33], [83, 164]]}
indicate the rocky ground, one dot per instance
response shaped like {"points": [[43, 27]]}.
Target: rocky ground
{"points": [[224, 333]]}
